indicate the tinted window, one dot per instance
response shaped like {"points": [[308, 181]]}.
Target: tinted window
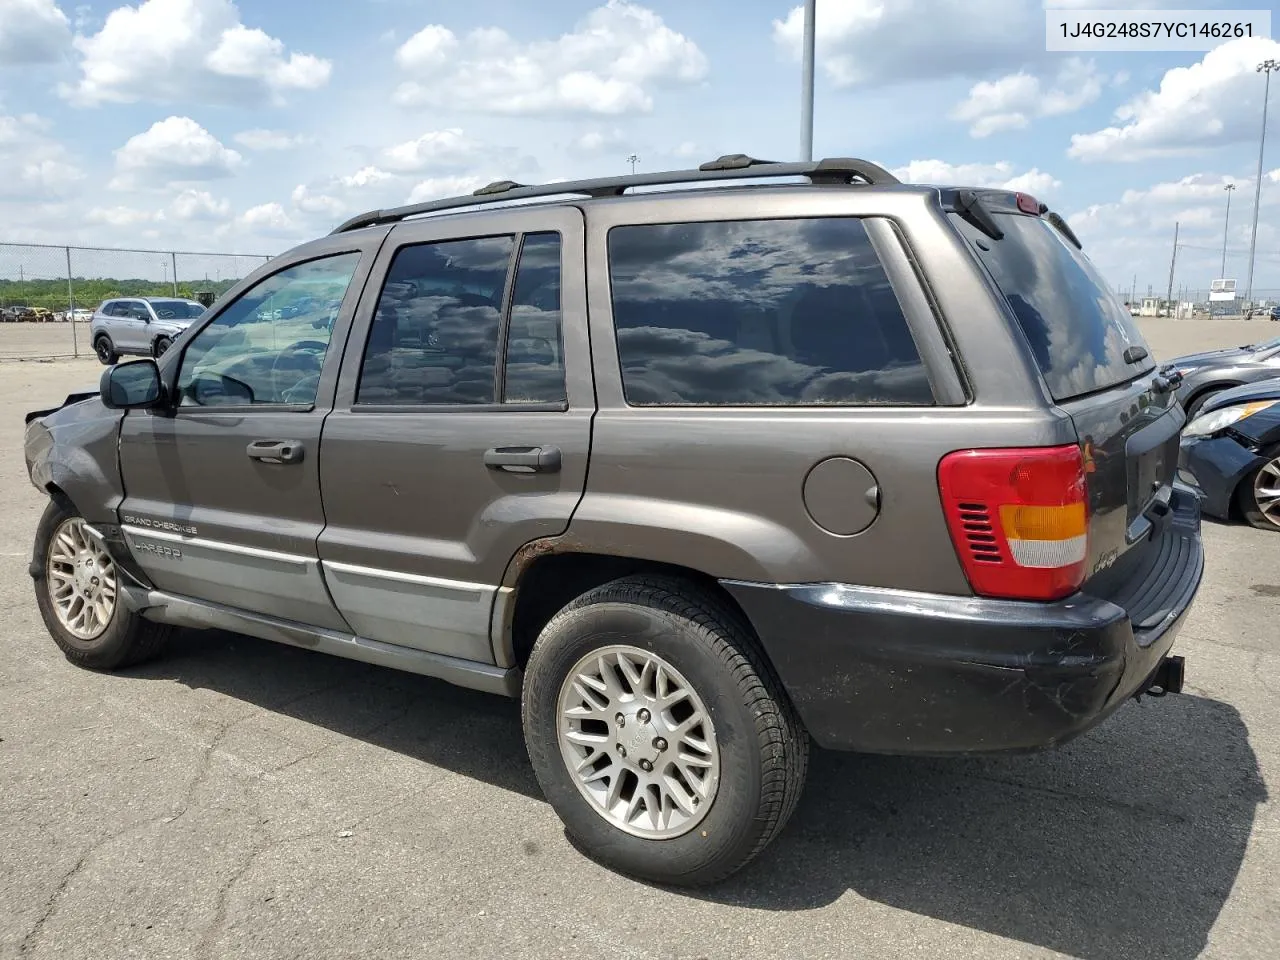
{"points": [[246, 356], [434, 336], [137, 310], [759, 312], [176, 309], [1077, 327], [535, 357]]}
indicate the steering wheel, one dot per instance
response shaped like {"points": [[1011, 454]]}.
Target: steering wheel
{"points": [[295, 379]]}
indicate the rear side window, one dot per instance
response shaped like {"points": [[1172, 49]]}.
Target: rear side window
{"points": [[759, 313], [434, 338], [1078, 329]]}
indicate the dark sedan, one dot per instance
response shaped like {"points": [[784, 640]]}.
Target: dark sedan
{"points": [[1205, 374], [1231, 453]]}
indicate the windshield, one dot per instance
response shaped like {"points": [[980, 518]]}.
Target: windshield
{"points": [[176, 309], [1077, 327]]}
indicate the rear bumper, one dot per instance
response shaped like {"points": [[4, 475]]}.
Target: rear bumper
{"points": [[899, 672]]}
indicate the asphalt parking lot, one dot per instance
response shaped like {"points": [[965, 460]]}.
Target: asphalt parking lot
{"points": [[243, 799]]}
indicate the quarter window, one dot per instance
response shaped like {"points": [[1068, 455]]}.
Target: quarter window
{"points": [[765, 312], [249, 354], [535, 354]]}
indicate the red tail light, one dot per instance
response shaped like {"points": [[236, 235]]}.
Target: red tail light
{"points": [[1028, 204], [1018, 518]]}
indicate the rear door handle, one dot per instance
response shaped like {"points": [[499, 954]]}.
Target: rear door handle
{"points": [[275, 451], [523, 459]]}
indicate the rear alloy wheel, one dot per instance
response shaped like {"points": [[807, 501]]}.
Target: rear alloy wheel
{"points": [[659, 732], [1259, 493], [105, 350], [162, 344]]}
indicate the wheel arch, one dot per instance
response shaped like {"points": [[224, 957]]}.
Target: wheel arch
{"points": [[546, 580]]}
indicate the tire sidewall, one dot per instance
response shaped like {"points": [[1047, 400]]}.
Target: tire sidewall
{"points": [[1247, 496], [110, 351], [111, 646], [162, 345], [724, 831]]}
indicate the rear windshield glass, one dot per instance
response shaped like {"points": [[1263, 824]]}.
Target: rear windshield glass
{"points": [[1078, 328]]}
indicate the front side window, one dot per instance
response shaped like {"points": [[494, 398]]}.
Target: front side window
{"points": [[765, 312], [248, 356]]}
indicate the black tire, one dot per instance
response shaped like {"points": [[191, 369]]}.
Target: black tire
{"points": [[1199, 401], [128, 638], [160, 346], [105, 350], [1246, 496], [763, 747]]}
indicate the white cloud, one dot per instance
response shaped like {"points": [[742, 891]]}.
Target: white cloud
{"points": [[364, 177], [268, 218], [263, 140], [188, 50], [1012, 101], [33, 166], [437, 149], [198, 205], [863, 42], [600, 141], [1215, 102], [434, 188], [609, 64], [1134, 234], [688, 150], [120, 216], [173, 150], [32, 31], [311, 201], [1000, 174]]}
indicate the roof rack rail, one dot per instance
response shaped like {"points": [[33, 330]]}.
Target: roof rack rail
{"points": [[736, 166]]}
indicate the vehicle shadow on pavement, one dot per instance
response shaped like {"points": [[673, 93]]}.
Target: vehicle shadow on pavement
{"points": [[1125, 842], [419, 717]]}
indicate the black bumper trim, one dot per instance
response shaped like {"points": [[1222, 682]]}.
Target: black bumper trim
{"points": [[889, 671]]}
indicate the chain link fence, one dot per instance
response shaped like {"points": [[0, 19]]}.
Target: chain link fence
{"points": [[48, 293]]}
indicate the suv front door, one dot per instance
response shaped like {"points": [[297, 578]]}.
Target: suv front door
{"points": [[461, 428], [223, 497]]}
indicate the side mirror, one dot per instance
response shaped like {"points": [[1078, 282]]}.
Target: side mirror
{"points": [[131, 386]]}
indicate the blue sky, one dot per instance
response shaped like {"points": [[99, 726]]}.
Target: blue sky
{"points": [[250, 125]]}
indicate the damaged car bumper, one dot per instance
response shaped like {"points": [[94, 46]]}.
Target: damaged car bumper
{"points": [[887, 671]]}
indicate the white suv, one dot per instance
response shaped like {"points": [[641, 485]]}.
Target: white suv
{"points": [[140, 325]]}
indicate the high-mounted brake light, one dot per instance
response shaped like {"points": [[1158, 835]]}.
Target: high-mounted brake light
{"points": [[1018, 518], [1028, 204]]}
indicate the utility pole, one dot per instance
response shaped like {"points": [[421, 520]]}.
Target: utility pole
{"points": [[806, 94], [633, 160], [1265, 68], [1172, 261], [1226, 224]]}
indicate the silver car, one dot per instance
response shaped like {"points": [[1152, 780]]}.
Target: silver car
{"points": [[140, 325]]}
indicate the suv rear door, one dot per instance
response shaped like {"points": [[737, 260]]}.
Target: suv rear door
{"points": [[462, 424]]}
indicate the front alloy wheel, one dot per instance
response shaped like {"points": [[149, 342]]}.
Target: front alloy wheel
{"points": [[81, 580]]}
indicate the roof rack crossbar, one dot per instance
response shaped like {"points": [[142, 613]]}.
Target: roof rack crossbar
{"points": [[729, 167]]}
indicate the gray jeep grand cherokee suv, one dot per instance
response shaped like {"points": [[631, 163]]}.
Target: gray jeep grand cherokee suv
{"points": [[697, 474]]}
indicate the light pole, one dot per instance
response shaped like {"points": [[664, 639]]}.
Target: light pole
{"points": [[806, 89], [1229, 188], [633, 160], [1265, 68]]}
